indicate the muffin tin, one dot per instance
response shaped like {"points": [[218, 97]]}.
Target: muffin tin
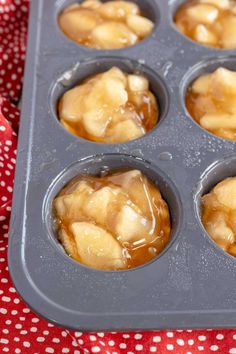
{"points": [[192, 284]]}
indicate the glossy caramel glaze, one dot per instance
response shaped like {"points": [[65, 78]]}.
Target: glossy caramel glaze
{"points": [[113, 222]]}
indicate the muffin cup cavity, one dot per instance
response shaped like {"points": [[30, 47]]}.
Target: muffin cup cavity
{"points": [[214, 174], [173, 9], [100, 165], [85, 69], [204, 67], [149, 9]]}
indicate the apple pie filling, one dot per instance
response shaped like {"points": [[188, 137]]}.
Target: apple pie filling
{"points": [[108, 25], [113, 222]]}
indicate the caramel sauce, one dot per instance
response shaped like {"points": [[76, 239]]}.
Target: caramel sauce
{"points": [[140, 236]]}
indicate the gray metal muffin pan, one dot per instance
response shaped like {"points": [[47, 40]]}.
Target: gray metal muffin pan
{"points": [[192, 284]]}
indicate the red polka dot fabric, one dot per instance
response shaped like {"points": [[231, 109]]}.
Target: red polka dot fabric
{"points": [[21, 331]]}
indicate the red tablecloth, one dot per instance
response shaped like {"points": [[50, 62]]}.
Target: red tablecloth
{"points": [[21, 331]]}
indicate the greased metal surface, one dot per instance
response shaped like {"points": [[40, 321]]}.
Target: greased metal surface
{"points": [[185, 286]]}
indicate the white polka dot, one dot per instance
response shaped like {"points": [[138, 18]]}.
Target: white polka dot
{"points": [[23, 332], [74, 343], [2, 128], [220, 336], [6, 299], [214, 348], [78, 334], [156, 339], [65, 350], [200, 348], [123, 346], [35, 320], [24, 310], [137, 336], [169, 347], [153, 349], [17, 351], [139, 347], [5, 349], [3, 311], [111, 343], [125, 335], [9, 165], [64, 333], [232, 351], [202, 338], [18, 326], [100, 334], [190, 341], [40, 339], [26, 344], [93, 338], [56, 340], [49, 350], [96, 349], [46, 333], [180, 342], [4, 341], [80, 341], [170, 334], [33, 329]]}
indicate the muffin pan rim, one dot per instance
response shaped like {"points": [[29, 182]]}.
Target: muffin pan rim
{"points": [[175, 261]]}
